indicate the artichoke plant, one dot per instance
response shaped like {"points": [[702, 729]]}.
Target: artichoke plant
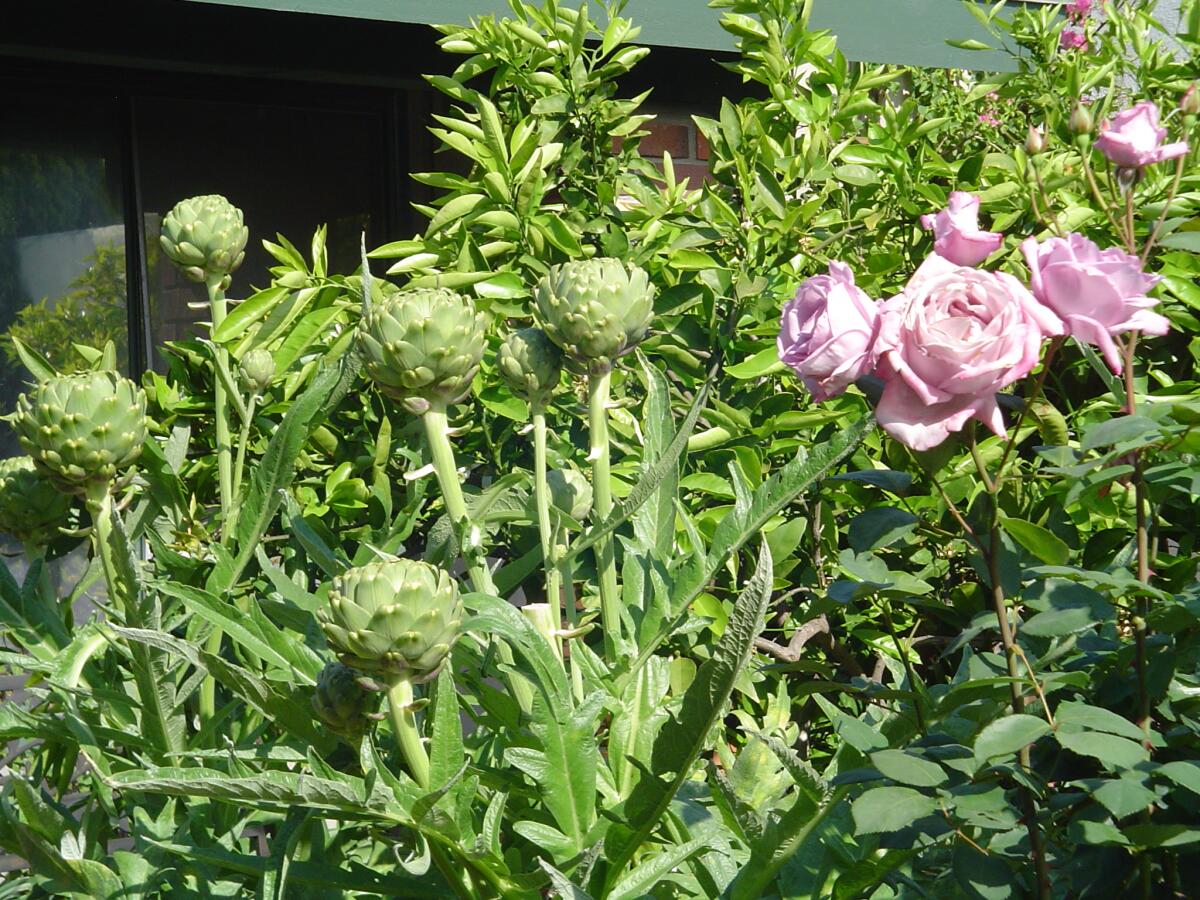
{"points": [[83, 429], [595, 309], [31, 508], [395, 618], [344, 700], [206, 237], [422, 347], [570, 493], [256, 370], [531, 364]]}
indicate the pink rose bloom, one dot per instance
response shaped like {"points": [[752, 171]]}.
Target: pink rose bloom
{"points": [[1097, 293], [1078, 9], [828, 332], [1134, 139], [953, 338], [956, 232], [1069, 39]]}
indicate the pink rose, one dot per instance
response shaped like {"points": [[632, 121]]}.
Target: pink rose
{"points": [[1079, 9], [828, 332], [1068, 39], [953, 338], [956, 232], [1097, 293], [1134, 139]]}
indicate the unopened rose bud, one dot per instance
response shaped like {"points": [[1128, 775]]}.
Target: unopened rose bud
{"points": [[1189, 103], [1035, 141], [1081, 120]]}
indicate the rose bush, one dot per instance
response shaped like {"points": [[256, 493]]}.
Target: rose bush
{"points": [[957, 235]]}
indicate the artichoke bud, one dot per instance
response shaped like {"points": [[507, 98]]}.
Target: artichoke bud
{"points": [[531, 364], [345, 700], [570, 492], [422, 348], [394, 618], [31, 508], [82, 429], [256, 370], [596, 310], [206, 237]]}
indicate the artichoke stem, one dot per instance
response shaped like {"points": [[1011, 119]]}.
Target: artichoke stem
{"points": [[216, 303], [541, 496], [567, 579], [437, 431], [606, 565], [239, 465], [404, 723]]}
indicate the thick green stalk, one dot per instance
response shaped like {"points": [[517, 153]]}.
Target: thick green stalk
{"points": [[606, 564], [566, 578], [404, 723], [240, 463], [437, 431], [123, 593], [541, 498], [216, 303]]}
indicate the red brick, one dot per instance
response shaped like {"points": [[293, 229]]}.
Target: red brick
{"points": [[667, 137], [695, 173], [702, 149]]}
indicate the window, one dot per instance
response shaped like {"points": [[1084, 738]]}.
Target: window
{"points": [[62, 234]]}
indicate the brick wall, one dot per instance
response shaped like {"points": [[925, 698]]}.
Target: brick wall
{"points": [[674, 132]]}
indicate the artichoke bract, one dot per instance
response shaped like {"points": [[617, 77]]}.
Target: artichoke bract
{"points": [[531, 364], [422, 347], [394, 618], [256, 370], [570, 492], [206, 237], [83, 429], [343, 702], [595, 309], [31, 508]]}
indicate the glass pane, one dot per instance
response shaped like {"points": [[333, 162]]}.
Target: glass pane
{"points": [[288, 169], [62, 237]]}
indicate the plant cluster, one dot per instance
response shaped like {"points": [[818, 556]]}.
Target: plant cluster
{"points": [[572, 562]]}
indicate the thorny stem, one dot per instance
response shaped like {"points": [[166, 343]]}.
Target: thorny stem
{"points": [[1050, 219], [1011, 650], [1143, 547], [908, 669], [541, 497], [1162, 217], [606, 565], [1038, 385], [1100, 201]]}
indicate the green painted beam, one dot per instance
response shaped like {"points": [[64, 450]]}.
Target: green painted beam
{"points": [[912, 32]]}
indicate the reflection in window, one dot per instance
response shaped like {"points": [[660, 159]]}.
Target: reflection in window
{"points": [[289, 170], [62, 237]]}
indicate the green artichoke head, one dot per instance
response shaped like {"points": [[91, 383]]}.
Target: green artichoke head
{"points": [[206, 237], [256, 370], [31, 508], [595, 309], [570, 492], [394, 618], [531, 364], [82, 429], [422, 347], [344, 701]]}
